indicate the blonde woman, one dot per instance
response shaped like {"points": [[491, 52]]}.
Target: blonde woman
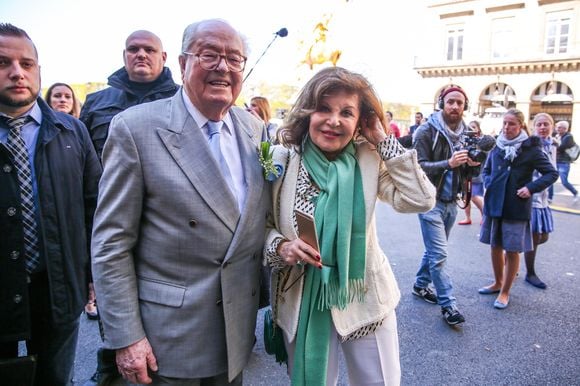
{"points": [[509, 186], [542, 220], [260, 107]]}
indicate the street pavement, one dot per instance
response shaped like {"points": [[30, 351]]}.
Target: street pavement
{"points": [[535, 341]]}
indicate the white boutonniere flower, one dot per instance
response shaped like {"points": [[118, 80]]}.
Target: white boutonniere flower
{"points": [[272, 170]]}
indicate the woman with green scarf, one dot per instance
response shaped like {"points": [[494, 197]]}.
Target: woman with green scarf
{"points": [[342, 292]]}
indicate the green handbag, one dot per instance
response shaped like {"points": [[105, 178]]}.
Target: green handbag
{"points": [[273, 339]]}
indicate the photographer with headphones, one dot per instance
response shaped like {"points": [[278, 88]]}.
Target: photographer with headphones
{"points": [[436, 142]]}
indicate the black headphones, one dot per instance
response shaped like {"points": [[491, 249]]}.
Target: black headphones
{"points": [[447, 90]]}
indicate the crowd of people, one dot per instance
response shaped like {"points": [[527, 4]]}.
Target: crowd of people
{"points": [[162, 211]]}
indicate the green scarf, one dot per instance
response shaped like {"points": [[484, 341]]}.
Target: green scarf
{"points": [[341, 225]]}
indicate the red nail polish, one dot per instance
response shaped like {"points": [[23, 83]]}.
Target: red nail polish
{"points": [[318, 257]]}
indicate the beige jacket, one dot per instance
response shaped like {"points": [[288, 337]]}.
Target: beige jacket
{"points": [[400, 182]]}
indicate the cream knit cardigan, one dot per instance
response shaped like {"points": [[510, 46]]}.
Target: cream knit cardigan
{"points": [[401, 182]]}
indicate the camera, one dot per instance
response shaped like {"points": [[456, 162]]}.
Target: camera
{"points": [[477, 147]]}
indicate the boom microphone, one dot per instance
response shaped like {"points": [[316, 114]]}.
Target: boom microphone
{"points": [[486, 143], [282, 32]]}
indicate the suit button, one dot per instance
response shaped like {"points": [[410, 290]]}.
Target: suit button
{"points": [[225, 264], [218, 303], [7, 168], [14, 255], [192, 223], [17, 298], [253, 292], [11, 211]]}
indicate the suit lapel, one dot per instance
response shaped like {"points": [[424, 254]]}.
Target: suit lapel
{"points": [[188, 147], [248, 146]]}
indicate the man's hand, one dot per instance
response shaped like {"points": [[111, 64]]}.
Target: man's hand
{"points": [[134, 360], [471, 162], [458, 158]]}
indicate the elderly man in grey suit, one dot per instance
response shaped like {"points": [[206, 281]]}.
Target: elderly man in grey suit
{"points": [[180, 223]]}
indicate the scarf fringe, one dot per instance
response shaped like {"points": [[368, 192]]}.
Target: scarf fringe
{"points": [[331, 295]]}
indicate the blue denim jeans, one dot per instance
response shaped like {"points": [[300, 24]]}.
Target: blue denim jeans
{"points": [[564, 170], [435, 227]]}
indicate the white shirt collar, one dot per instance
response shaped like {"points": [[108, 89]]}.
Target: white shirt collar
{"points": [[200, 119]]}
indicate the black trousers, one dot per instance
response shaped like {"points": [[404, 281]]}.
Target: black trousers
{"points": [[53, 345]]}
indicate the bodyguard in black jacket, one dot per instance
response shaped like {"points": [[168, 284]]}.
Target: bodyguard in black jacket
{"points": [[42, 305], [143, 79], [67, 175], [100, 107]]}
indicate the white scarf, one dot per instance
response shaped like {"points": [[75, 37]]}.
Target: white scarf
{"points": [[511, 146]]}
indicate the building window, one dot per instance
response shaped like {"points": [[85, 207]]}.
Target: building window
{"points": [[455, 43], [502, 37], [557, 32]]}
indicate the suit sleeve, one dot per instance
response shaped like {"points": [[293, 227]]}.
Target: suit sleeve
{"points": [[115, 233]]}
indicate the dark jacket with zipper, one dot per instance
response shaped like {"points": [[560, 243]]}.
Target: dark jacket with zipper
{"points": [[67, 176], [101, 106]]}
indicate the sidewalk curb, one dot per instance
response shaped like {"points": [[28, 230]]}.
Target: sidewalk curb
{"points": [[563, 209]]}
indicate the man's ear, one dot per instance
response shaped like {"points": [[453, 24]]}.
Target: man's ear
{"points": [[182, 61], [164, 56]]}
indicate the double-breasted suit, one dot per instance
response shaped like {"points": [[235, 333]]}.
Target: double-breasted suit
{"points": [[174, 260]]}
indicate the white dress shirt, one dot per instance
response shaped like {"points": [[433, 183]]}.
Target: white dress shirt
{"points": [[228, 145]]}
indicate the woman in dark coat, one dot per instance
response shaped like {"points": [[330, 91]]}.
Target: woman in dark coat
{"points": [[509, 186]]}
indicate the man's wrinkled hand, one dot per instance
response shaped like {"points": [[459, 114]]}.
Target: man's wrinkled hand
{"points": [[134, 360]]}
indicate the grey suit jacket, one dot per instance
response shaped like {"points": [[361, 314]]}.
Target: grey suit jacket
{"points": [[173, 259]]}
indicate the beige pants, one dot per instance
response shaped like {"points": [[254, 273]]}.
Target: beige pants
{"points": [[371, 360]]}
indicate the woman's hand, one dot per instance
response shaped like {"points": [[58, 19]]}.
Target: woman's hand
{"points": [[298, 252], [372, 129], [524, 193]]}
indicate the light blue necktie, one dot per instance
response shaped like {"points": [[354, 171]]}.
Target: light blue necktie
{"points": [[214, 132]]}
